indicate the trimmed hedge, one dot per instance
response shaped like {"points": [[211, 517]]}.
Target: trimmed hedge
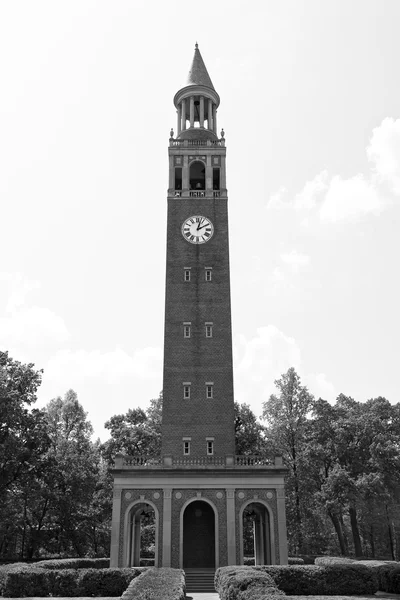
{"points": [[295, 560], [157, 584], [245, 583], [333, 560], [387, 572], [74, 563], [330, 580], [27, 580]]}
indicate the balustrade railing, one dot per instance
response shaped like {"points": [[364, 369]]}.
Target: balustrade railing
{"points": [[188, 461], [194, 143], [227, 462], [251, 461]]}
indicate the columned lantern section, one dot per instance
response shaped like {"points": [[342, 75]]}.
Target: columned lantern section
{"points": [[199, 496]]}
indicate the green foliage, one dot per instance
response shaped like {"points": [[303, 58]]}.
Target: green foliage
{"points": [[157, 584], [295, 560], [74, 563], [249, 433], [137, 433], [30, 580], [340, 579], [245, 583]]}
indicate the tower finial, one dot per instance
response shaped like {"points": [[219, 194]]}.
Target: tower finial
{"points": [[196, 45]]}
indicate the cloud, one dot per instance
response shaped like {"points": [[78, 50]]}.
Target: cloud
{"points": [[110, 366], [15, 287], [308, 197], [348, 199], [295, 259], [32, 327], [262, 359], [383, 152], [320, 387], [276, 201]]}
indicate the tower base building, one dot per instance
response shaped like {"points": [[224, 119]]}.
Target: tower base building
{"points": [[202, 496]]}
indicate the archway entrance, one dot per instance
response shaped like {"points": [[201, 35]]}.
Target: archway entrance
{"points": [[256, 534], [198, 536], [142, 536]]}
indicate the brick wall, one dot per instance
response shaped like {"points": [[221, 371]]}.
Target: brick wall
{"points": [[198, 359]]}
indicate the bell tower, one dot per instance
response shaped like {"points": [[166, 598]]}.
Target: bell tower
{"points": [[200, 495], [198, 406]]}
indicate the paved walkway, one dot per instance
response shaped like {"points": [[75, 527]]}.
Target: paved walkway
{"points": [[201, 596]]}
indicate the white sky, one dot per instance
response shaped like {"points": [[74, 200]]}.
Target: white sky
{"points": [[310, 104]]}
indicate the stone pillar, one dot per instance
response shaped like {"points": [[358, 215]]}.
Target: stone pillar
{"points": [[116, 521], [215, 118], [167, 528], [210, 119], [179, 111], [283, 551], [136, 541], [184, 114], [209, 174], [185, 174], [231, 526], [191, 111], [201, 111]]}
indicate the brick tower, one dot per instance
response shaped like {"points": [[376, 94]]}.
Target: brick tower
{"points": [[199, 492], [198, 380]]}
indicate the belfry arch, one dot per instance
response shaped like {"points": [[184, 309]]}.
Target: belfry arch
{"points": [[138, 515], [197, 175], [199, 535], [260, 514]]}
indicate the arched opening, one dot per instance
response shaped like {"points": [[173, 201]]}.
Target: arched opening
{"points": [[142, 536], [198, 536], [256, 534], [197, 178]]}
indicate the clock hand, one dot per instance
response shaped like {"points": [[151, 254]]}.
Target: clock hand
{"points": [[200, 226]]}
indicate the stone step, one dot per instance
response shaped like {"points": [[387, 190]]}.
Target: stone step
{"points": [[200, 580]]}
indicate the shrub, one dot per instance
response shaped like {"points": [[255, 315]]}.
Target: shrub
{"points": [[75, 563], [295, 560], [157, 584], [249, 561], [333, 560], [310, 580], [29, 580], [245, 583]]}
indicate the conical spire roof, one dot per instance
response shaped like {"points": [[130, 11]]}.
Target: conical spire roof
{"points": [[198, 74]]}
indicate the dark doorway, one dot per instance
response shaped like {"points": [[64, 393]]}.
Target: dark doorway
{"points": [[197, 176], [198, 536]]}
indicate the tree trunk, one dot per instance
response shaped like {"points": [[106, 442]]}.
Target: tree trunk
{"points": [[339, 532], [372, 541], [344, 531], [297, 501], [356, 534], [390, 534]]}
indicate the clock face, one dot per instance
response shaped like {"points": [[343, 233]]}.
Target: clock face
{"points": [[197, 230]]}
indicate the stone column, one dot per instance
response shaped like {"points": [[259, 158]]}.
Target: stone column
{"points": [[209, 174], [185, 174], [231, 526], [116, 521], [179, 118], [210, 119], [184, 114], [283, 552], [135, 560], [191, 111], [167, 528], [201, 111], [215, 118]]}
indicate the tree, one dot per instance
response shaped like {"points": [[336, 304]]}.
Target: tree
{"points": [[287, 423], [136, 433], [23, 445], [249, 433]]}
